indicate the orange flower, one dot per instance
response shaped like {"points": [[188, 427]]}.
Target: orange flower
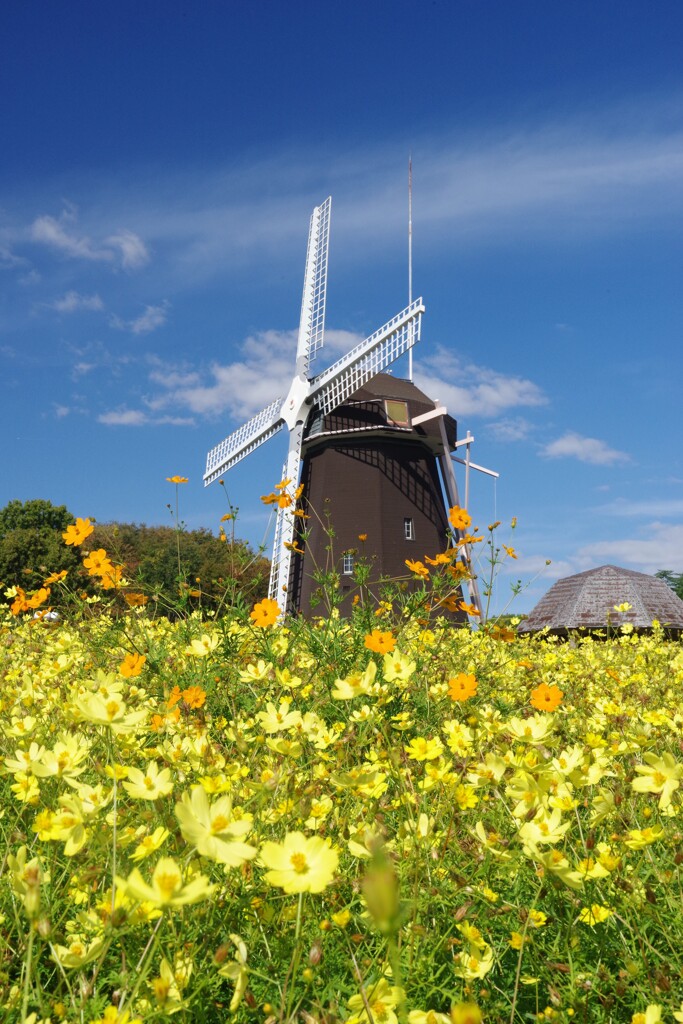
{"points": [[132, 665], [77, 532], [265, 613], [362, 537], [39, 597], [174, 696], [20, 603], [194, 696], [135, 600], [111, 576], [177, 479], [379, 642], [471, 609], [418, 568], [546, 698], [55, 577], [462, 687], [459, 518], [97, 562], [509, 551]]}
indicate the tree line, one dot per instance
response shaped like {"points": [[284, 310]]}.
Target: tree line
{"points": [[174, 567]]}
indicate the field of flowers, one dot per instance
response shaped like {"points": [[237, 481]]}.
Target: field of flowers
{"points": [[371, 820]]}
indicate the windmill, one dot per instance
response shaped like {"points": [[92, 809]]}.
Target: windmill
{"points": [[351, 409]]}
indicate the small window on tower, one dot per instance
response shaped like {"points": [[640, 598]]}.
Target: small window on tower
{"points": [[408, 529], [348, 563], [397, 412]]}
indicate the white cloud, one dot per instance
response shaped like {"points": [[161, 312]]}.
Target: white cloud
{"points": [[133, 250], [480, 391], [124, 247], [514, 428], [61, 411], [152, 318], [244, 387], [123, 418], [585, 449], [661, 547], [72, 301], [657, 508]]}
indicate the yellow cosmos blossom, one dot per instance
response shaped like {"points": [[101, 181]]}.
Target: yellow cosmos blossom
{"points": [[421, 749], [237, 971], [79, 952], [110, 711], [639, 838], [204, 646], [652, 1015], [661, 775], [212, 828], [377, 1003], [150, 844], [356, 683], [299, 864], [166, 889], [150, 784], [274, 719], [595, 914]]}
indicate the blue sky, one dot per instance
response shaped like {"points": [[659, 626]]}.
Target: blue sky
{"points": [[160, 163]]}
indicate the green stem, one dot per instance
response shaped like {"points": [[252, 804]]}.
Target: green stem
{"points": [[27, 968]]}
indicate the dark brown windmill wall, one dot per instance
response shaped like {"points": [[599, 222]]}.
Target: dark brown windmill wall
{"points": [[369, 488]]}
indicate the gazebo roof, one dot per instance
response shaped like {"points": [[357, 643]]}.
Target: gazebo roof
{"points": [[587, 601]]}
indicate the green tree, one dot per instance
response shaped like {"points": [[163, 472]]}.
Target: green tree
{"points": [[673, 579], [31, 544]]}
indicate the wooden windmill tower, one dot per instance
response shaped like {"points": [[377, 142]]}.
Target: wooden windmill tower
{"points": [[370, 444]]}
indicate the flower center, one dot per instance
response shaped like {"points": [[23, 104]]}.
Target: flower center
{"points": [[298, 862]]}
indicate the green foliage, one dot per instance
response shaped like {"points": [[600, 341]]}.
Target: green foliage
{"points": [[31, 542], [673, 579], [169, 563]]}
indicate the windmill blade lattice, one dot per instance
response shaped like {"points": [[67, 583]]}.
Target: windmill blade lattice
{"points": [[357, 367], [312, 320], [243, 441], [281, 565]]}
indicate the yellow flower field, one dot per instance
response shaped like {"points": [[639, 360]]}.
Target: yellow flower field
{"points": [[368, 820]]}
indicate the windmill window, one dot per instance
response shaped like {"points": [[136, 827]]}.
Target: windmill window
{"points": [[348, 563], [408, 528], [397, 412]]}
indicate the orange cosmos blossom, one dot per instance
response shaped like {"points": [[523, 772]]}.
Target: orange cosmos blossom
{"points": [[265, 613], [56, 577], [459, 518], [194, 696], [177, 479], [546, 698], [97, 562], [471, 609], [379, 642], [131, 665], [462, 687], [77, 532], [419, 568]]}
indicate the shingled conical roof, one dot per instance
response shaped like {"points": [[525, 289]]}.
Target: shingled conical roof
{"points": [[587, 601]]}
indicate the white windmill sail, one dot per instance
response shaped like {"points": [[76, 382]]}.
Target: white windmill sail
{"points": [[325, 391]]}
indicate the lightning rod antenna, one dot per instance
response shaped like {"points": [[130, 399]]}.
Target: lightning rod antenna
{"points": [[410, 252]]}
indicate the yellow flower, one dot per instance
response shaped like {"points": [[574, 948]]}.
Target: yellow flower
{"points": [[662, 775], [212, 829], [265, 613], [652, 1015], [381, 999], [299, 864], [202, 647], [150, 844], [77, 532], [167, 889], [177, 479], [595, 914], [421, 749], [236, 971], [149, 785], [355, 684], [642, 837]]}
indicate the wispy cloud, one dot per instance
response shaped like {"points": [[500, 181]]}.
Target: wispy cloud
{"points": [[123, 247], [72, 302], [514, 428], [152, 319], [585, 449], [481, 391], [661, 547], [652, 508], [139, 418]]}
